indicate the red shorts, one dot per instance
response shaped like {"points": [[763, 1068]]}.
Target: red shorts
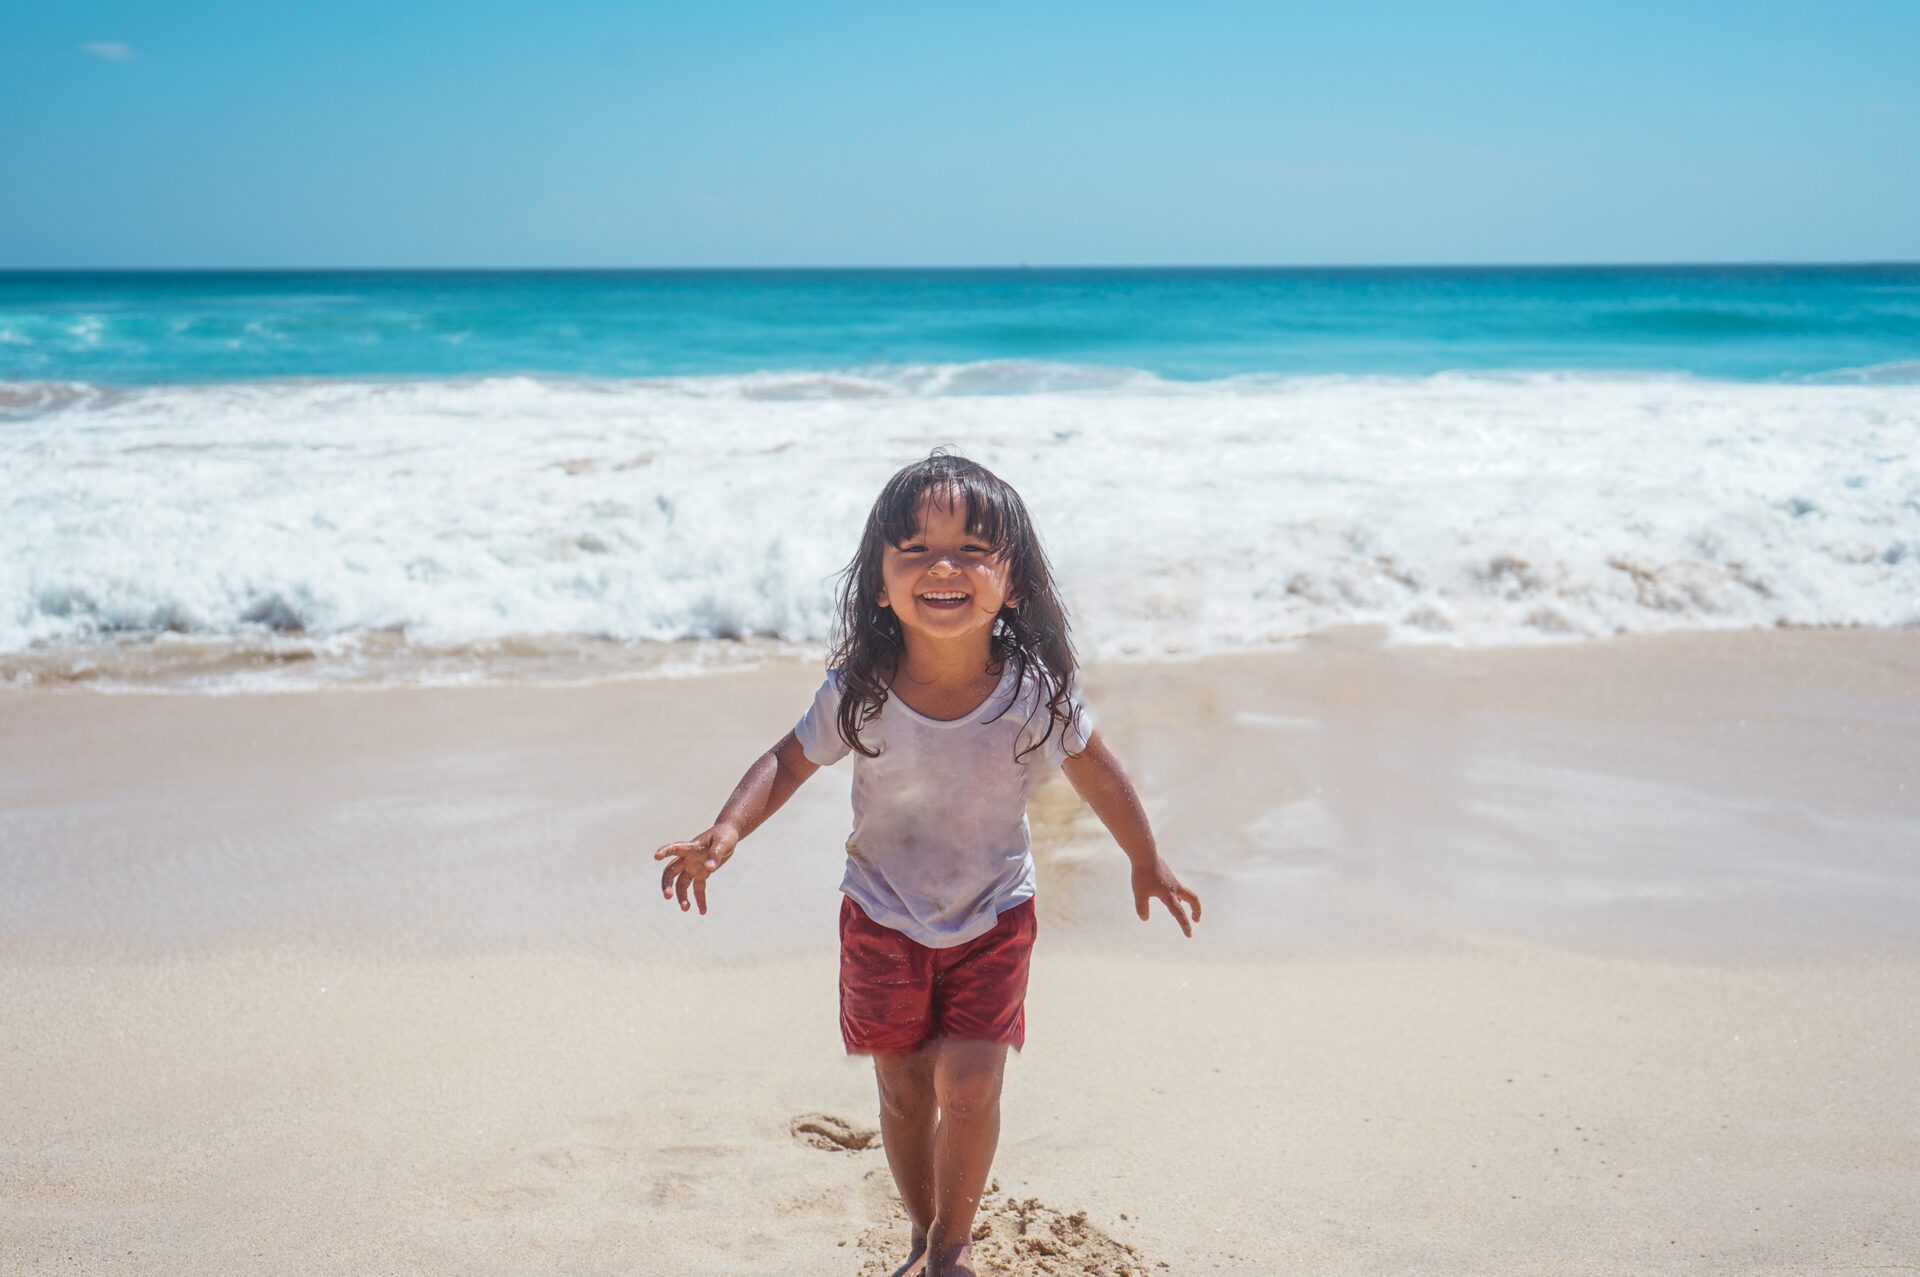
{"points": [[896, 994]]}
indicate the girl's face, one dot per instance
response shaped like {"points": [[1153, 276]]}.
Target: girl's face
{"points": [[943, 583]]}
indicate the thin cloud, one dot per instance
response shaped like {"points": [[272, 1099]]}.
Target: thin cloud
{"points": [[111, 50]]}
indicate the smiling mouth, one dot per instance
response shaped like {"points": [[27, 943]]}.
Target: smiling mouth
{"points": [[944, 599]]}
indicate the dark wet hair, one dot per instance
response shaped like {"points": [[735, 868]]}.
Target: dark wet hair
{"points": [[1032, 633]]}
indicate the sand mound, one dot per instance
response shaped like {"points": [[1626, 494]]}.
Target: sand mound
{"points": [[824, 1130], [1021, 1237]]}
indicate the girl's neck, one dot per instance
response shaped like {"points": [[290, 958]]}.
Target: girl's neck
{"points": [[935, 666]]}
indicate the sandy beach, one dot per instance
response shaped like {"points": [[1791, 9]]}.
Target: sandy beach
{"points": [[1598, 958]]}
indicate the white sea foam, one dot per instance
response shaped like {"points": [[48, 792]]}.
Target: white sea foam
{"points": [[1181, 517]]}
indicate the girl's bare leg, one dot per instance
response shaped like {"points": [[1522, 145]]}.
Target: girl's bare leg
{"points": [[966, 1082], [908, 1113]]}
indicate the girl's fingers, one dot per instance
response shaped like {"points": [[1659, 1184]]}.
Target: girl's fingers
{"points": [[1140, 906], [1193, 902], [1179, 915], [684, 871]]}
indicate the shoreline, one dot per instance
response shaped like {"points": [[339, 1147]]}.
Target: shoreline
{"points": [[177, 665]]}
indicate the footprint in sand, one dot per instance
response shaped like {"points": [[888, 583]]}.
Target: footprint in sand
{"points": [[1023, 1237], [835, 1134]]}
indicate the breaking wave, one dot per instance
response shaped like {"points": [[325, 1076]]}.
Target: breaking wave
{"points": [[1181, 516]]}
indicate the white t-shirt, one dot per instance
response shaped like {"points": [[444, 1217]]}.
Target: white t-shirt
{"points": [[940, 844]]}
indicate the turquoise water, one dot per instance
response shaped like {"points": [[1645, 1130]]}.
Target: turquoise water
{"points": [[1743, 323]]}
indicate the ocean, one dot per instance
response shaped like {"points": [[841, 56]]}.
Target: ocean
{"points": [[277, 479]]}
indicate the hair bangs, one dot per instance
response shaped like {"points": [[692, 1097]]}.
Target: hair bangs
{"points": [[990, 515]]}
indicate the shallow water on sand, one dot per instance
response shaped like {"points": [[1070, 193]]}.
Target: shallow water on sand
{"points": [[1704, 794]]}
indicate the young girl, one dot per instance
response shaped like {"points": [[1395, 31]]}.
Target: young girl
{"points": [[953, 681]]}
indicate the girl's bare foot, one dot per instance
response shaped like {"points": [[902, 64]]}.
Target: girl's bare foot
{"points": [[916, 1265], [952, 1261]]}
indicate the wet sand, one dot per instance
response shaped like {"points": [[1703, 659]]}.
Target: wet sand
{"points": [[1584, 959]]}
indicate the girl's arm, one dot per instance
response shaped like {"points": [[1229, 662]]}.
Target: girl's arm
{"points": [[769, 782], [1098, 777]]}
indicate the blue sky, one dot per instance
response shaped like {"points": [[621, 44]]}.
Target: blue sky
{"points": [[727, 134]]}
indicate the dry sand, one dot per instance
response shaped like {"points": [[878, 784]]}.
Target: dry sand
{"points": [[1595, 959]]}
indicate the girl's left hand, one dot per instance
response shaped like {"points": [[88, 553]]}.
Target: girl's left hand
{"points": [[691, 863], [1156, 882]]}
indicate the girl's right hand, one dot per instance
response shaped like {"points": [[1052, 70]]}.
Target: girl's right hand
{"points": [[691, 863]]}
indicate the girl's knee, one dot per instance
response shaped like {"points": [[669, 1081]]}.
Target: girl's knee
{"points": [[967, 1082], [969, 1102], [906, 1085]]}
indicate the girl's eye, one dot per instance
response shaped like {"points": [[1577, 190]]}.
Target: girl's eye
{"points": [[921, 549]]}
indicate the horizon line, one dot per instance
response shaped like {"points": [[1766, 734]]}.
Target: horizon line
{"points": [[1674, 264]]}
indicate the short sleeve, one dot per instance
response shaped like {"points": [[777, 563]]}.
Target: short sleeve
{"points": [[1068, 740], [818, 730]]}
